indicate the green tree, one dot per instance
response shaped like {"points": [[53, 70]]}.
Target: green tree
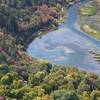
{"points": [[63, 95]]}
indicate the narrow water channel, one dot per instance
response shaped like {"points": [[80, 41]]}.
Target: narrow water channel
{"points": [[67, 45]]}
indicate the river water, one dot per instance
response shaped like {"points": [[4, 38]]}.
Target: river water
{"points": [[67, 45]]}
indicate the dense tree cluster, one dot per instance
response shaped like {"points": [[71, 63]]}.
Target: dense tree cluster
{"points": [[21, 15], [40, 80], [10, 51]]}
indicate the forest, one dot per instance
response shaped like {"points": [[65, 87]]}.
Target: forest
{"points": [[25, 78]]}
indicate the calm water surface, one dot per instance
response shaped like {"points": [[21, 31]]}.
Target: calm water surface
{"points": [[67, 45]]}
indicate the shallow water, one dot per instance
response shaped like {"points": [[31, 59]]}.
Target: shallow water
{"points": [[67, 45]]}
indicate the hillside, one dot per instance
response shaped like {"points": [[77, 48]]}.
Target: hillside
{"points": [[25, 78]]}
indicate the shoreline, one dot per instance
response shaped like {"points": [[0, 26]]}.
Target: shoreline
{"points": [[52, 27], [38, 52]]}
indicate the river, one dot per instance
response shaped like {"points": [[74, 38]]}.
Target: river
{"points": [[67, 45]]}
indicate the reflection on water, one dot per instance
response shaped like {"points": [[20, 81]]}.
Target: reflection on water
{"points": [[67, 45]]}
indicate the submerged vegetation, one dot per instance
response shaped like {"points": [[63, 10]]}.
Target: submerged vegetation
{"points": [[24, 78], [87, 10], [91, 30], [89, 19]]}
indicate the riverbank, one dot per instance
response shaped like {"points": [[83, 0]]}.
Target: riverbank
{"points": [[46, 29]]}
